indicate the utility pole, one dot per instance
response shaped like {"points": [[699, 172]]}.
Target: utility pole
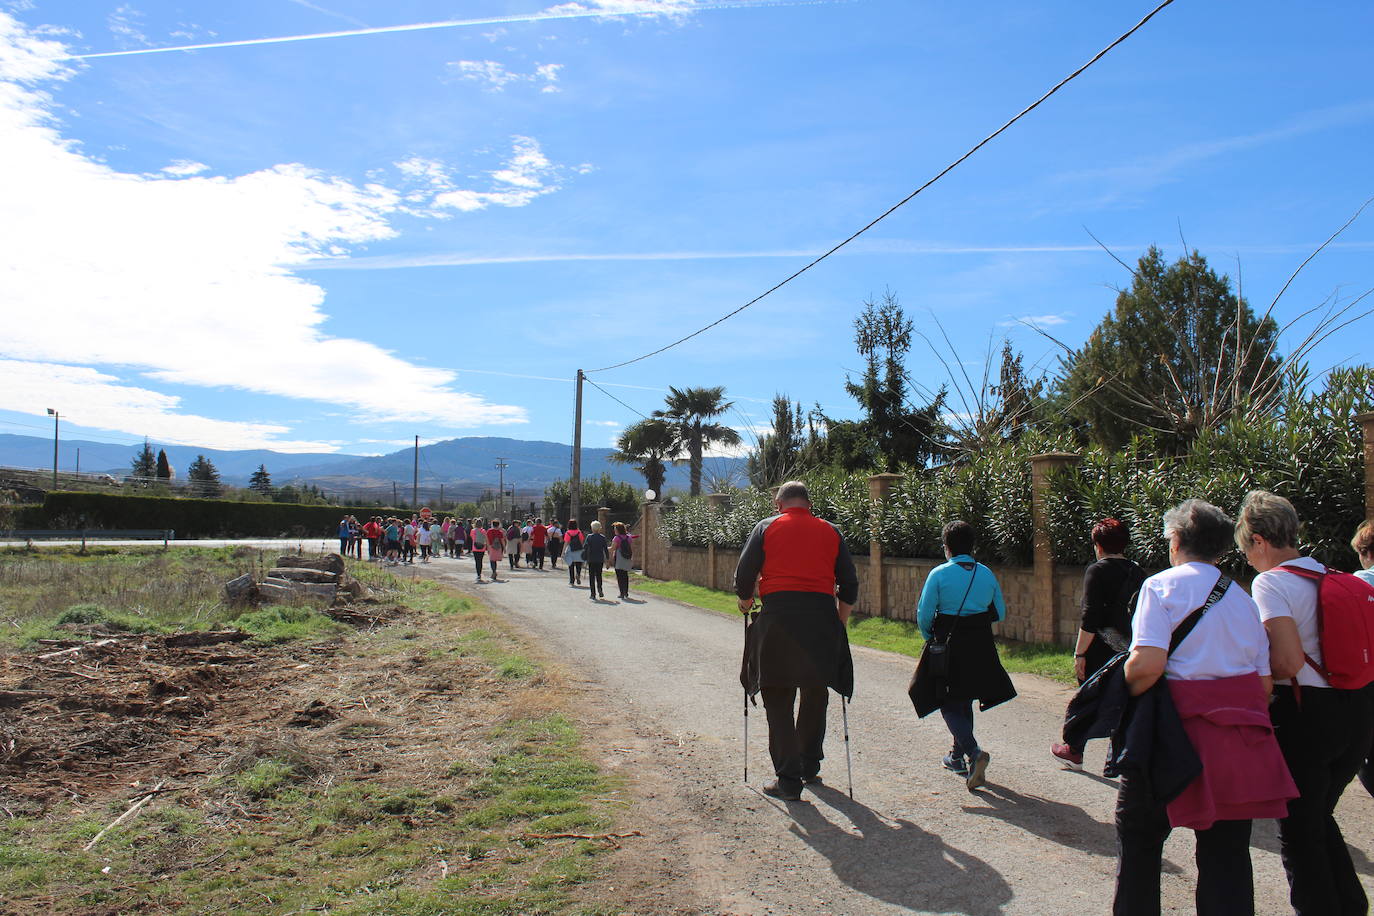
{"points": [[575, 485], [393, 493], [78, 461], [501, 488], [441, 497], [54, 415], [415, 480]]}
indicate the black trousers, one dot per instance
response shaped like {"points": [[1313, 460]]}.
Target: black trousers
{"points": [[479, 556], [1225, 877], [796, 739], [539, 557], [574, 573], [622, 581], [594, 580], [1325, 740]]}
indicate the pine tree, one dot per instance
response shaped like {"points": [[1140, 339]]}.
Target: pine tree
{"points": [[1180, 353], [203, 477], [164, 467], [145, 463], [261, 481]]}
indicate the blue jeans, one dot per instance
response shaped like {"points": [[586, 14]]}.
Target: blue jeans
{"points": [[959, 719]]}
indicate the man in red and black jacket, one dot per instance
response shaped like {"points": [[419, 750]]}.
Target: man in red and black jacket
{"points": [[801, 569]]}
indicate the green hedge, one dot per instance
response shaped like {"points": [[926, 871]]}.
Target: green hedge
{"points": [[189, 518], [1311, 453]]}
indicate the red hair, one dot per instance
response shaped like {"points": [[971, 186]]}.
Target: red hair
{"points": [[1111, 535]]}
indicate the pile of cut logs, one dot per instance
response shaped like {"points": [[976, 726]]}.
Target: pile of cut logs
{"points": [[295, 577]]}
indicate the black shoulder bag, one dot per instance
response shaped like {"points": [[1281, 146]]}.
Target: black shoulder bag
{"points": [[937, 649]]}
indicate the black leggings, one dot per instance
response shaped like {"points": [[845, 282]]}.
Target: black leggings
{"points": [[594, 580], [574, 573], [622, 580], [479, 556]]}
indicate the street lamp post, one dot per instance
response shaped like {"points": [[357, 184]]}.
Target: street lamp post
{"points": [[52, 413]]}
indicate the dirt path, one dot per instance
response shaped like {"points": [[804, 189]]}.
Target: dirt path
{"points": [[659, 686]]}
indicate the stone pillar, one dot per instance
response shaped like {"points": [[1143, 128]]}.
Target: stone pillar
{"points": [[719, 502], [1366, 421], [879, 486], [1044, 595], [603, 515], [648, 535]]}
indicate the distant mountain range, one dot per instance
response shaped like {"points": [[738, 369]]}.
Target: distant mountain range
{"points": [[463, 466]]}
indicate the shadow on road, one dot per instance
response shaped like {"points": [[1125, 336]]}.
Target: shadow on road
{"points": [[898, 862], [1265, 835], [1067, 825]]}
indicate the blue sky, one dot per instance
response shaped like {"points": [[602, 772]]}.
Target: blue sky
{"points": [[335, 244]]}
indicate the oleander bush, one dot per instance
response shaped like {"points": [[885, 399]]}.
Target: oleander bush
{"points": [[1310, 452]]}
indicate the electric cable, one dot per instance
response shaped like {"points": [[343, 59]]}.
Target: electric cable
{"points": [[613, 397], [890, 210]]}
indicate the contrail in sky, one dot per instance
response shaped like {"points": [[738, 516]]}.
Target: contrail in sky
{"points": [[545, 16]]}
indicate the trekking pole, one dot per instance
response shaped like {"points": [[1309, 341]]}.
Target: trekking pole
{"points": [[746, 711], [848, 764]]}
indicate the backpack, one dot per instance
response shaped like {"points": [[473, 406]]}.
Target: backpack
{"points": [[575, 543], [1345, 627]]}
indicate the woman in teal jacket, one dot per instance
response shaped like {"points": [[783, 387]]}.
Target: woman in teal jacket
{"points": [[960, 602]]}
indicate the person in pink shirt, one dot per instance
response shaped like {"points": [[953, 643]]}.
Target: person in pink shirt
{"points": [[496, 546]]}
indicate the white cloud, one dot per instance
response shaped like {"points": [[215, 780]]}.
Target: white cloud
{"points": [[628, 7], [613, 424], [1042, 321], [125, 25], [184, 168], [495, 77], [190, 279], [95, 399], [526, 175]]}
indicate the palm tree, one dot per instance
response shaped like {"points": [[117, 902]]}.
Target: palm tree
{"points": [[647, 445], [689, 412]]}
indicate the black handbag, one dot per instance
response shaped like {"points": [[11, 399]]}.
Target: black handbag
{"points": [[936, 654]]}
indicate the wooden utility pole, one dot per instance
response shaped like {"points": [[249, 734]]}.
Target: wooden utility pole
{"points": [[501, 488], [415, 479], [575, 485]]}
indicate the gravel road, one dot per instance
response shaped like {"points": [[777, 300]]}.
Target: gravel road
{"points": [[661, 689]]}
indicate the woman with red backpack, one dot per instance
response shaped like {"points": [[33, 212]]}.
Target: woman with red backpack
{"points": [[575, 541], [1324, 730]]}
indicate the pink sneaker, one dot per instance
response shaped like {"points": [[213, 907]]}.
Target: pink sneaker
{"points": [[1065, 755]]}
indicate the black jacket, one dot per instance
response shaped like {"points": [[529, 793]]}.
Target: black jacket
{"points": [[797, 640], [974, 670]]}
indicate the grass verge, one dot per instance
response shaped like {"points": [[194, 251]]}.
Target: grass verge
{"points": [[391, 814], [901, 636]]}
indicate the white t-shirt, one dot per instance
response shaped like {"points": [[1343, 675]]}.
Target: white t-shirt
{"points": [[426, 536], [1228, 641], [1365, 574], [1282, 594]]}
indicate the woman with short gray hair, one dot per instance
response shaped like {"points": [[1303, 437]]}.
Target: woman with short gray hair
{"points": [[1193, 624]]}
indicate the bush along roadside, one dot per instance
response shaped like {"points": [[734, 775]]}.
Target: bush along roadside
{"points": [[426, 766]]}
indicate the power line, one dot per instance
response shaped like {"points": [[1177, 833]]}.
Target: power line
{"points": [[613, 397], [890, 210]]}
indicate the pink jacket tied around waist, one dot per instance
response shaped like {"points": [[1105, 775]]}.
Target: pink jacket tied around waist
{"points": [[1243, 774]]}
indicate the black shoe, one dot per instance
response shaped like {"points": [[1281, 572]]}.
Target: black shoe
{"points": [[813, 780], [776, 789]]}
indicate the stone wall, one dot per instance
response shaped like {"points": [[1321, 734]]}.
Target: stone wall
{"points": [[903, 580]]}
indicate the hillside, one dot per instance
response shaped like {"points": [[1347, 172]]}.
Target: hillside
{"points": [[462, 465]]}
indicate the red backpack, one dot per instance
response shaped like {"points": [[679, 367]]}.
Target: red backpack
{"points": [[1345, 627]]}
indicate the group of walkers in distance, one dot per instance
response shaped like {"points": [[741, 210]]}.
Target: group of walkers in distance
{"points": [[1222, 705], [528, 545]]}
